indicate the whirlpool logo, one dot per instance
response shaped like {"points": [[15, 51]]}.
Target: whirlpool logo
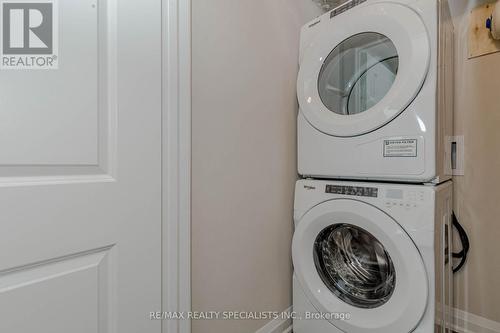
{"points": [[29, 37]]}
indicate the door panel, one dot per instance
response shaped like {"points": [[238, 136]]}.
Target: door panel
{"points": [[54, 120], [61, 122], [69, 292], [80, 170]]}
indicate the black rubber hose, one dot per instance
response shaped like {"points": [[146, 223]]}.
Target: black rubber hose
{"points": [[464, 239]]}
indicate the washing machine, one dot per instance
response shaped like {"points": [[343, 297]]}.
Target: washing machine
{"points": [[371, 258], [375, 90]]}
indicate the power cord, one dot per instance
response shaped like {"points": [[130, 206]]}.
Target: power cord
{"points": [[464, 239]]}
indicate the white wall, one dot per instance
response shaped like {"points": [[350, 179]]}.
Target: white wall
{"points": [[245, 56], [244, 109], [476, 195]]}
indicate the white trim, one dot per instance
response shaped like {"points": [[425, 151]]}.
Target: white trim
{"points": [[176, 182], [278, 325], [465, 322]]}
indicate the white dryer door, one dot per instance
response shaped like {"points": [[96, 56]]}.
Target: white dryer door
{"points": [[351, 257], [363, 69]]}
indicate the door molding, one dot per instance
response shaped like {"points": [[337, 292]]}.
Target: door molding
{"points": [[176, 173]]}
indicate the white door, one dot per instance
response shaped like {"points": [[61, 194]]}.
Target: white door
{"points": [[363, 68], [350, 257], [80, 175]]}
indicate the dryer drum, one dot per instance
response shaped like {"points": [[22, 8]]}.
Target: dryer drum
{"points": [[358, 73]]}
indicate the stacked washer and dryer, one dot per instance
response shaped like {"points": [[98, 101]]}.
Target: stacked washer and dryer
{"points": [[372, 241]]}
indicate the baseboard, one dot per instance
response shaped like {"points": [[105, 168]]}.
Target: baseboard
{"points": [[465, 322], [278, 325]]}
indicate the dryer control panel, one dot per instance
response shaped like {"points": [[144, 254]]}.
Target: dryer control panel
{"points": [[345, 7]]}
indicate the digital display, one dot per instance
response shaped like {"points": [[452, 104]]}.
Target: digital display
{"points": [[353, 190], [394, 194]]}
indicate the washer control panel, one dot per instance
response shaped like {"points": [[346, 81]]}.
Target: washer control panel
{"points": [[358, 191], [407, 199]]}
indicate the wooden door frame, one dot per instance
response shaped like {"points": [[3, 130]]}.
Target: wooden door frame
{"points": [[176, 169]]}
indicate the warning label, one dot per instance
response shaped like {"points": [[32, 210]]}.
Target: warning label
{"points": [[400, 148]]}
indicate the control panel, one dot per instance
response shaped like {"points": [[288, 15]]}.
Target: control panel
{"points": [[357, 191], [389, 197], [407, 199], [345, 7]]}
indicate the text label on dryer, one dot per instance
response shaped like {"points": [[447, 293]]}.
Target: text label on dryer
{"points": [[400, 148]]}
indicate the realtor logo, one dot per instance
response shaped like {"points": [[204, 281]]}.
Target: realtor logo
{"points": [[29, 36]]}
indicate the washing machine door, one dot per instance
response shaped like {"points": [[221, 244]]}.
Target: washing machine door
{"points": [[363, 69], [352, 258]]}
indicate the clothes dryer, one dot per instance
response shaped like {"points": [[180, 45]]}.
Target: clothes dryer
{"points": [[375, 89]]}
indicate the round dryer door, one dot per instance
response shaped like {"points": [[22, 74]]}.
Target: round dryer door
{"points": [[351, 257], [363, 69]]}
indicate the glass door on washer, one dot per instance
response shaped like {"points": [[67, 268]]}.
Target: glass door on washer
{"points": [[354, 265]]}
